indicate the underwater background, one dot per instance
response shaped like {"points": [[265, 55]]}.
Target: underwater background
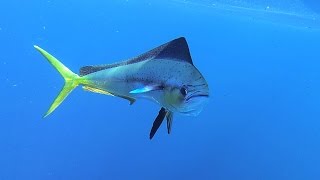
{"points": [[261, 60]]}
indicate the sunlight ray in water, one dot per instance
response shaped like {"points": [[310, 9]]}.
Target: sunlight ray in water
{"points": [[290, 13]]}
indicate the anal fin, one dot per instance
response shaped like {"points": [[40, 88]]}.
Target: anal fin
{"points": [[100, 91], [95, 90], [131, 100]]}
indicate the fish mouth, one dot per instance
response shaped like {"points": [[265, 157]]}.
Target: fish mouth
{"points": [[197, 95]]}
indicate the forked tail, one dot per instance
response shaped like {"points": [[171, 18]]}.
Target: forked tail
{"points": [[72, 80]]}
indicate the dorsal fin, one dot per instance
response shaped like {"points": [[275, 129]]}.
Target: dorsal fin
{"points": [[176, 50], [91, 69]]}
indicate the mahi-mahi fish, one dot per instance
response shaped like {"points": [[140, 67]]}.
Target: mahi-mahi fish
{"points": [[165, 75]]}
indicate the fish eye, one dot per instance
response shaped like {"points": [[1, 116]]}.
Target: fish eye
{"points": [[183, 91]]}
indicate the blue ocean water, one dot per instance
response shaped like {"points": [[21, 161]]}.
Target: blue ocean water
{"points": [[260, 58]]}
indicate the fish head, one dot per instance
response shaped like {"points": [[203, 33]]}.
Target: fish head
{"points": [[188, 99]]}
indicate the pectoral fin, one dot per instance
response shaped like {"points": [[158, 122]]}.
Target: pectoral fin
{"points": [[146, 89]]}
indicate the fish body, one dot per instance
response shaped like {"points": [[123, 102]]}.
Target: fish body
{"points": [[165, 75]]}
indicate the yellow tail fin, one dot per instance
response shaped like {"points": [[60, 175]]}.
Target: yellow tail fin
{"points": [[72, 80]]}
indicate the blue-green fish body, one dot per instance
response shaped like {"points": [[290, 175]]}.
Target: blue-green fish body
{"points": [[165, 75]]}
